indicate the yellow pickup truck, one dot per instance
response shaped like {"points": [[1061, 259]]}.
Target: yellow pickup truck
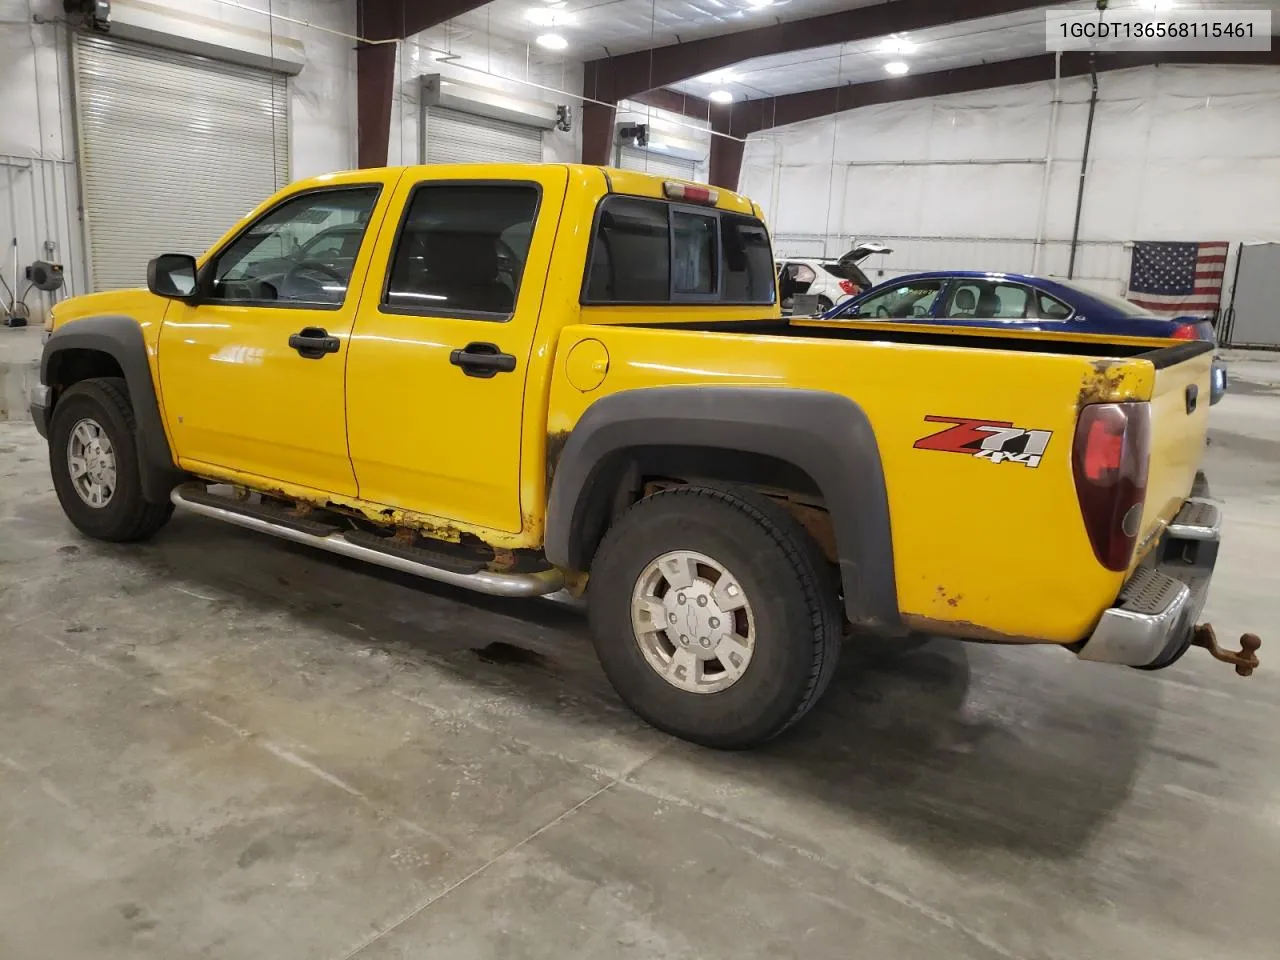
{"points": [[531, 379]]}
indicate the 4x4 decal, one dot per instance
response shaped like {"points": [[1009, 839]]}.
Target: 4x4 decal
{"points": [[996, 440]]}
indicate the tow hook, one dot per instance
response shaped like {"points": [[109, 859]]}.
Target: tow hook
{"points": [[1245, 659]]}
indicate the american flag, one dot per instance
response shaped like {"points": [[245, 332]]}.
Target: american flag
{"points": [[1177, 279]]}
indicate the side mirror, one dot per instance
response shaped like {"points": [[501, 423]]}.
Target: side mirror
{"points": [[172, 275]]}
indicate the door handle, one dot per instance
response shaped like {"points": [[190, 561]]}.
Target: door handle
{"points": [[312, 343], [483, 360]]}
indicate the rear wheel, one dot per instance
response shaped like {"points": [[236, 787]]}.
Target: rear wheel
{"points": [[94, 461], [714, 615], [824, 304]]}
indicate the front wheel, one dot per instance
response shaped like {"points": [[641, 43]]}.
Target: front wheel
{"points": [[714, 615], [94, 461]]}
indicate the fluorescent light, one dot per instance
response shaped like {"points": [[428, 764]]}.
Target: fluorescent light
{"points": [[896, 68], [898, 45], [549, 17], [759, 4], [551, 41], [720, 96]]}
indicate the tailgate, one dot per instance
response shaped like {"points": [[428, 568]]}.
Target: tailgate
{"points": [[1179, 426]]}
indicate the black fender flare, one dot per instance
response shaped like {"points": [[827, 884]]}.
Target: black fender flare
{"points": [[120, 338], [826, 435]]}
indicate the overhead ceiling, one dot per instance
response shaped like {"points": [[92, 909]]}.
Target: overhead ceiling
{"points": [[603, 28], [607, 28]]}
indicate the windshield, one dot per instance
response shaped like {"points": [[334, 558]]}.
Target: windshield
{"points": [[846, 271], [1118, 304]]}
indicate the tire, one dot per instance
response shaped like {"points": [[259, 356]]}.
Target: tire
{"points": [[795, 620], [824, 304], [123, 516]]}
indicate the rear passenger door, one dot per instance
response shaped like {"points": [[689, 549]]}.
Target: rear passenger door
{"points": [[441, 347]]}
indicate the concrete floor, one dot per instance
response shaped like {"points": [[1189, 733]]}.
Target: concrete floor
{"points": [[216, 745]]}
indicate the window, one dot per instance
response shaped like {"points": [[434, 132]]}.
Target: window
{"points": [[462, 250], [989, 300], [1052, 308], [631, 259], [744, 245], [300, 252], [647, 251], [906, 302], [694, 253]]}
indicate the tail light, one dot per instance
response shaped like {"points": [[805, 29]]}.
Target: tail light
{"points": [[1110, 458], [849, 287], [1185, 331]]}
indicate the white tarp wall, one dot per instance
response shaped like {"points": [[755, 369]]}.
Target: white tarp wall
{"points": [[959, 182]]}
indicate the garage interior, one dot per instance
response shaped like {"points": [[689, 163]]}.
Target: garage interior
{"points": [[218, 745]]}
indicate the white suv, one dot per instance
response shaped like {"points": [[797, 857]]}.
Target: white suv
{"points": [[831, 281]]}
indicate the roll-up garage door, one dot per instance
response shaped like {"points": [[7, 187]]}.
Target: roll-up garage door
{"points": [[174, 149], [653, 162], [451, 136]]}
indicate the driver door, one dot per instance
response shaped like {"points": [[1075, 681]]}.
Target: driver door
{"points": [[252, 373]]}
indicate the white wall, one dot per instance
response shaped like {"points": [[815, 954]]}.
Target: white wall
{"points": [[39, 181], [1178, 153], [482, 59]]}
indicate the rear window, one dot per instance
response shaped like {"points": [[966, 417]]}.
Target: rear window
{"points": [[652, 252]]}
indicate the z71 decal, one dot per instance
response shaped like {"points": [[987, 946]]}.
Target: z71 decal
{"points": [[996, 440]]}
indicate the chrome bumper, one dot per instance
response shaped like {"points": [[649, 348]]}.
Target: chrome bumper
{"points": [[1152, 622]]}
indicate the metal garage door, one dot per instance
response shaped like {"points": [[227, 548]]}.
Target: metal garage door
{"points": [[174, 149], [1254, 319], [649, 161], [451, 136]]}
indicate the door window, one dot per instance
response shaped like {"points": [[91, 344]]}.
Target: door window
{"points": [[1051, 308], [989, 300], [462, 250], [300, 253], [909, 301]]}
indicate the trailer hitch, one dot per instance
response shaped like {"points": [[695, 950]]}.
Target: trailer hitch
{"points": [[1245, 660]]}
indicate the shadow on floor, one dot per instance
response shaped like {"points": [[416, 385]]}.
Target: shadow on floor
{"points": [[956, 747]]}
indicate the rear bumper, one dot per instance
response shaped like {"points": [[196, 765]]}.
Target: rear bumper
{"points": [[1153, 619]]}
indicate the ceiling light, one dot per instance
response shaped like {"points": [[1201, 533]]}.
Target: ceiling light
{"points": [[549, 17], [551, 41], [898, 45], [720, 96], [896, 68], [759, 4]]}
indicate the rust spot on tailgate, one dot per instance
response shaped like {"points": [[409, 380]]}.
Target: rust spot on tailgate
{"points": [[1102, 384]]}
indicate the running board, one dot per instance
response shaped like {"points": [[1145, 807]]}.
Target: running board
{"points": [[496, 584]]}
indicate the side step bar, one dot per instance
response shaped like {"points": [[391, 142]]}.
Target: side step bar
{"points": [[496, 584]]}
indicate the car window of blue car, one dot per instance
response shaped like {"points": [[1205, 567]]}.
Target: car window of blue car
{"points": [[910, 301], [989, 300], [1051, 308]]}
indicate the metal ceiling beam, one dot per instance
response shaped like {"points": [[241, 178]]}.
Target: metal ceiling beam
{"points": [[376, 63], [616, 78], [746, 117]]}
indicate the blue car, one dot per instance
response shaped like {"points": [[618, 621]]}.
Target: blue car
{"points": [[968, 298]]}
